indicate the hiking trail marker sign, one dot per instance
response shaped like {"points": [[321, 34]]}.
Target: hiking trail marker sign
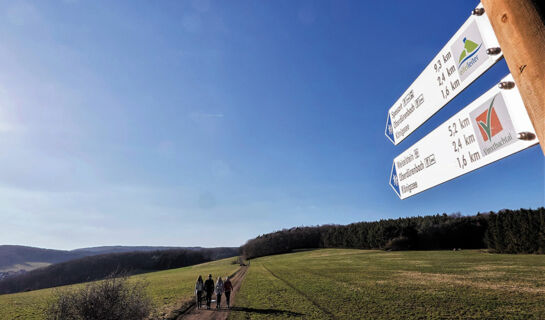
{"points": [[487, 130], [467, 55]]}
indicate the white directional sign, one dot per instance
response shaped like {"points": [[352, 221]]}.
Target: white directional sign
{"points": [[492, 127], [462, 60]]}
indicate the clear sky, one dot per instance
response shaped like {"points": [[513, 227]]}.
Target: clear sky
{"points": [[210, 122]]}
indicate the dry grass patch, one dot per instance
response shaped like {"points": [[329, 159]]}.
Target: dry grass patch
{"points": [[484, 268], [425, 279]]}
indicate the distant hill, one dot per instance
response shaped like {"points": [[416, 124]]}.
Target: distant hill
{"points": [[14, 258], [21, 255], [120, 249], [98, 267]]}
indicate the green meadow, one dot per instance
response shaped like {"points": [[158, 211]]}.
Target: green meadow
{"points": [[352, 284], [169, 289], [366, 284]]}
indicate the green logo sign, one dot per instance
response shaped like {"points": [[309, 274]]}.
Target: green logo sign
{"points": [[487, 127], [470, 49]]}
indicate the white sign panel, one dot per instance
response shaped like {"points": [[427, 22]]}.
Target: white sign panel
{"points": [[483, 132], [462, 60]]}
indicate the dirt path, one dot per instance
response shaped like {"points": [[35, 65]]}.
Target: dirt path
{"points": [[194, 313]]}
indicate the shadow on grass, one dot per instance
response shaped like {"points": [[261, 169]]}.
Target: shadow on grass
{"points": [[275, 312]]}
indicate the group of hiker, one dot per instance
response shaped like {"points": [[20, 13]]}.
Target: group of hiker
{"points": [[209, 288]]}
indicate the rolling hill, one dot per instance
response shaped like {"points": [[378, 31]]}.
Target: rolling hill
{"points": [[11, 256], [169, 289], [100, 266], [352, 284], [14, 258], [121, 249]]}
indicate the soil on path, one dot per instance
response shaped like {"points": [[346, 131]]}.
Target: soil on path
{"points": [[193, 313]]}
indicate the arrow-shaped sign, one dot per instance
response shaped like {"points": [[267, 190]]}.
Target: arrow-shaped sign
{"points": [[492, 127], [466, 56]]}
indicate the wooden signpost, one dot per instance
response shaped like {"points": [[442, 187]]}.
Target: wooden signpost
{"points": [[521, 34]]}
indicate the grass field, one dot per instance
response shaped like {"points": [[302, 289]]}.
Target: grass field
{"points": [[169, 289], [364, 284]]}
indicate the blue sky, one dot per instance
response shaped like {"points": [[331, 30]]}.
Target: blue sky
{"points": [[211, 122]]}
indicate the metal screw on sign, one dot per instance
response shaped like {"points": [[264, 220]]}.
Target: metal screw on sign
{"points": [[506, 85], [477, 11], [493, 51], [528, 136]]}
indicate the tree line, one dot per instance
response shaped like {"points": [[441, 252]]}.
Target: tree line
{"points": [[508, 231], [520, 231], [101, 266]]}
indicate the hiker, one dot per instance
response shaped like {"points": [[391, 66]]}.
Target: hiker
{"points": [[219, 292], [227, 288], [209, 288], [199, 287]]}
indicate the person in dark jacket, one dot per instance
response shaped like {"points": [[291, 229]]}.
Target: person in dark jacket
{"points": [[227, 288], [199, 287], [209, 289]]}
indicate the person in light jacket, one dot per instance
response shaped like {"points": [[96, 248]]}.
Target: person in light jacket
{"points": [[199, 287], [219, 292]]}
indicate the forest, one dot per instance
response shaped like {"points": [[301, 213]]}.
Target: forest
{"points": [[506, 231]]}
